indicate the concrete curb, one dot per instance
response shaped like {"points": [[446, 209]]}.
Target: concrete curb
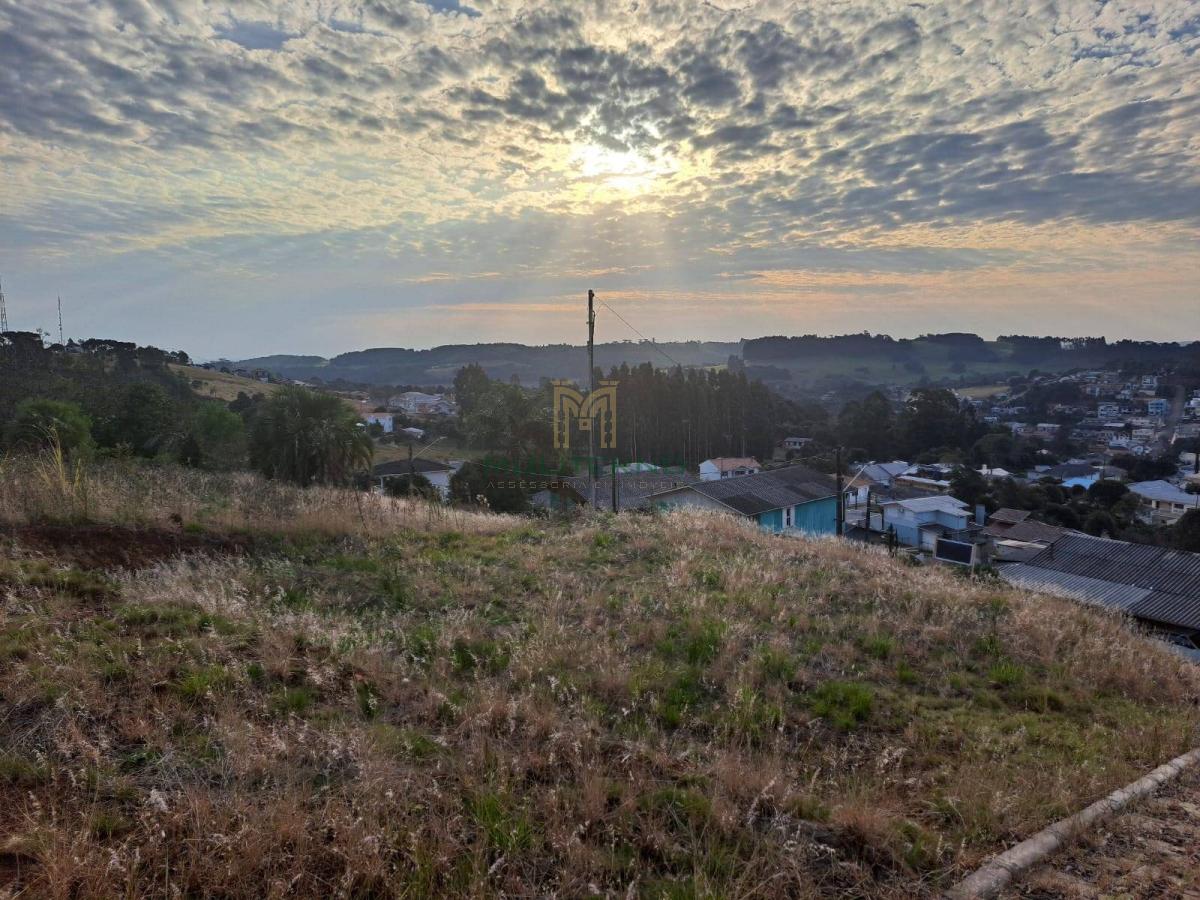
{"points": [[1015, 862]]}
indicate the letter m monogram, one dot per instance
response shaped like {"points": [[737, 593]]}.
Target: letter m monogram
{"points": [[597, 410]]}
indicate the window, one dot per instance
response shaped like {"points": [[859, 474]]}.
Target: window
{"points": [[789, 517]]}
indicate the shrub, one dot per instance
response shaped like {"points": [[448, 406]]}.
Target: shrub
{"points": [[843, 703]]}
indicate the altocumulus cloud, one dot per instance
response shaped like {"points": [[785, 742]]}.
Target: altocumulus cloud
{"points": [[667, 141]]}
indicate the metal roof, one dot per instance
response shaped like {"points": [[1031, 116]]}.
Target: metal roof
{"points": [[1170, 609], [751, 495], [1030, 530], [931, 504], [1164, 491], [1170, 578], [729, 463], [1011, 516], [633, 488], [1077, 587]]}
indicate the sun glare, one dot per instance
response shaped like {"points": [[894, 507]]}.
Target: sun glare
{"points": [[617, 172]]}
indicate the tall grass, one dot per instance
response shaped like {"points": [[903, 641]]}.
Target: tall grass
{"points": [[51, 487]]}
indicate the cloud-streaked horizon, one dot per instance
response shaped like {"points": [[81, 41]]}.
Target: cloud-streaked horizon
{"points": [[312, 176]]}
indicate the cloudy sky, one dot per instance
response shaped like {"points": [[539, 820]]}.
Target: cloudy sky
{"points": [[255, 177]]}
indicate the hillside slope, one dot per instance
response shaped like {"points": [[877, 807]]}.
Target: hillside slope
{"points": [[224, 687]]}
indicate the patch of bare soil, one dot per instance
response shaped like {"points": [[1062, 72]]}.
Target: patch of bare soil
{"points": [[1151, 850], [114, 546]]}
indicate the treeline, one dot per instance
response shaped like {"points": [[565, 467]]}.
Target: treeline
{"points": [[111, 398], [966, 348], [664, 416]]}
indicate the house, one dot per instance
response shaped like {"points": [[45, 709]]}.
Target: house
{"points": [[1072, 474], [793, 499], [933, 478], [1158, 586], [728, 467], [1162, 503], [796, 443], [1158, 407], [995, 473], [416, 403], [920, 521], [1108, 411], [386, 421], [437, 473], [1017, 537], [875, 477]]}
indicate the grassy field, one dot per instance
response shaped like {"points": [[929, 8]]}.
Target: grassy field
{"points": [[982, 392], [216, 686], [220, 385]]}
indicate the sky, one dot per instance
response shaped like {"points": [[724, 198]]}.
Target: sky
{"points": [[238, 179]]}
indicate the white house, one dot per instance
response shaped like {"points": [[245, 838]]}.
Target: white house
{"points": [[728, 467], [437, 473], [796, 443]]}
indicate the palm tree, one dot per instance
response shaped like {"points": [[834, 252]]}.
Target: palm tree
{"points": [[307, 438]]}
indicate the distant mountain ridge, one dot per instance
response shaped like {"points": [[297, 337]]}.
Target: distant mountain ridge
{"points": [[529, 364], [799, 362]]}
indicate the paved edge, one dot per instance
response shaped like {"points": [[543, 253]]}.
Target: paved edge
{"points": [[1015, 862]]}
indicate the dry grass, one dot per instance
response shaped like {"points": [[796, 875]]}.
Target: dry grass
{"points": [[222, 385], [131, 493], [453, 704]]}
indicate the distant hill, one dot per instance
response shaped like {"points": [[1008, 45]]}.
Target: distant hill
{"points": [[793, 364], [529, 364]]}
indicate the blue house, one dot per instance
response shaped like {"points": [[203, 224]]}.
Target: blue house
{"points": [[919, 522], [788, 500]]}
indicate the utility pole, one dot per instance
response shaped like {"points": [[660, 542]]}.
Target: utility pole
{"points": [[841, 498], [3, 312], [60, 328], [616, 500], [591, 393]]}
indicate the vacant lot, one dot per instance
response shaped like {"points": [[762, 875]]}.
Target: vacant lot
{"points": [[325, 694], [221, 385]]}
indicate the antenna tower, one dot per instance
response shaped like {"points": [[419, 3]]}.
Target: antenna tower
{"points": [[3, 312], [60, 331]]}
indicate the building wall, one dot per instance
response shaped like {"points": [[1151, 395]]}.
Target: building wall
{"points": [[441, 481], [816, 517]]}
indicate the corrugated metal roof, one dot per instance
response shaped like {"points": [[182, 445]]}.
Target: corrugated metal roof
{"points": [[1010, 516], [1077, 587], [1170, 609], [1170, 578], [754, 494], [633, 488]]}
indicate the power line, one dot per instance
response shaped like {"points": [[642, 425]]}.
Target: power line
{"points": [[652, 342]]}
